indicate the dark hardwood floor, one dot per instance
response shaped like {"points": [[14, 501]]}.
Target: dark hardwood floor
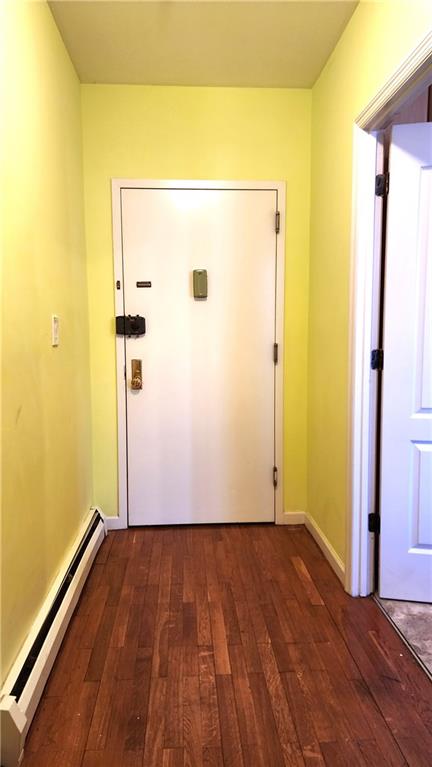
{"points": [[225, 646]]}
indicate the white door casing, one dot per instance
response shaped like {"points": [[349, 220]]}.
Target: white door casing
{"points": [[201, 433], [406, 473]]}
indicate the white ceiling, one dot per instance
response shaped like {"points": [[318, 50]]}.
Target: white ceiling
{"points": [[226, 43]]}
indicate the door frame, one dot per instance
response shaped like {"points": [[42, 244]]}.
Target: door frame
{"points": [[410, 78], [117, 184]]}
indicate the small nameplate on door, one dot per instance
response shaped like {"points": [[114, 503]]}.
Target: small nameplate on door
{"points": [[144, 284], [200, 283]]}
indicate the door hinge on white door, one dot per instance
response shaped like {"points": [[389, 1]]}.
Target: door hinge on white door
{"points": [[277, 222], [374, 523], [377, 359], [275, 476], [275, 353], [382, 183]]}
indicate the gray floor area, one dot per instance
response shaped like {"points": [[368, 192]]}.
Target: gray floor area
{"points": [[414, 621]]}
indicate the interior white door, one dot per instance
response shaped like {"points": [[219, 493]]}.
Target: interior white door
{"points": [[406, 463], [201, 431]]}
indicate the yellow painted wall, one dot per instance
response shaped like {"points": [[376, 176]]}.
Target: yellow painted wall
{"points": [[46, 443], [377, 38], [202, 133], [160, 133]]}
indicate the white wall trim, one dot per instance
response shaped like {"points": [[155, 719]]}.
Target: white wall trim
{"points": [[114, 523], [296, 517], [327, 549], [410, 77], [17, 715], [359, 543], [121, 521], [303, 518], [413, 74]]}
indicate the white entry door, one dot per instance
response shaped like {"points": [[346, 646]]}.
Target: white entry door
{"points": [[406, 475], [201, 430]]}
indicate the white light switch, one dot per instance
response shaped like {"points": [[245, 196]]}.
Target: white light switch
{"points": [[55, 330]]}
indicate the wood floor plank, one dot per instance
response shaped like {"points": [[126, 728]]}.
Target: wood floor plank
{"points": [[190, 660], [172, 757], [281, 711], [101, 645], [89, 597], [212, 757], [243, 697], [104, 551], [308, 584], [220, 643], [114, 573], [230, 735], [192, 738], [343, 753], [155, 562], [303, 720], [387, 745], [112, 759], [348, 704], [70, 725], [64, 670], [230, 616], [138, 703], [165, 577], [139, 558], [228, 646], [173, 735], [190, 629], [154, 736], [188, 580], [204, 634], [247, 637], [50, 756], [213, 590], [175, 632], [44, 721], [210, 727], [322, 720], [119, 628], [266, 727], [129, 650], [102, 711], [371, 753], [160, 644]]}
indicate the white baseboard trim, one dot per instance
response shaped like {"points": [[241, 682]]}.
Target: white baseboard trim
{"points": [[303, 518], [293, 518], [17, 710], [327, 549], [114, 523]]}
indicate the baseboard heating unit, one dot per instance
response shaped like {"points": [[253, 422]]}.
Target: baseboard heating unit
{"points": [[26, 681]]}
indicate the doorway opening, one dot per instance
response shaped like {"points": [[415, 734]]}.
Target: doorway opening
{"points": [[409, 133], [390, 535]]}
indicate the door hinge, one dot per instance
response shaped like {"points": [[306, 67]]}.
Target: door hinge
{"points": [[374, 525], [277, 222], [275, 476], [382, 183], [275, 353], [124, 371], [377, 359]]}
